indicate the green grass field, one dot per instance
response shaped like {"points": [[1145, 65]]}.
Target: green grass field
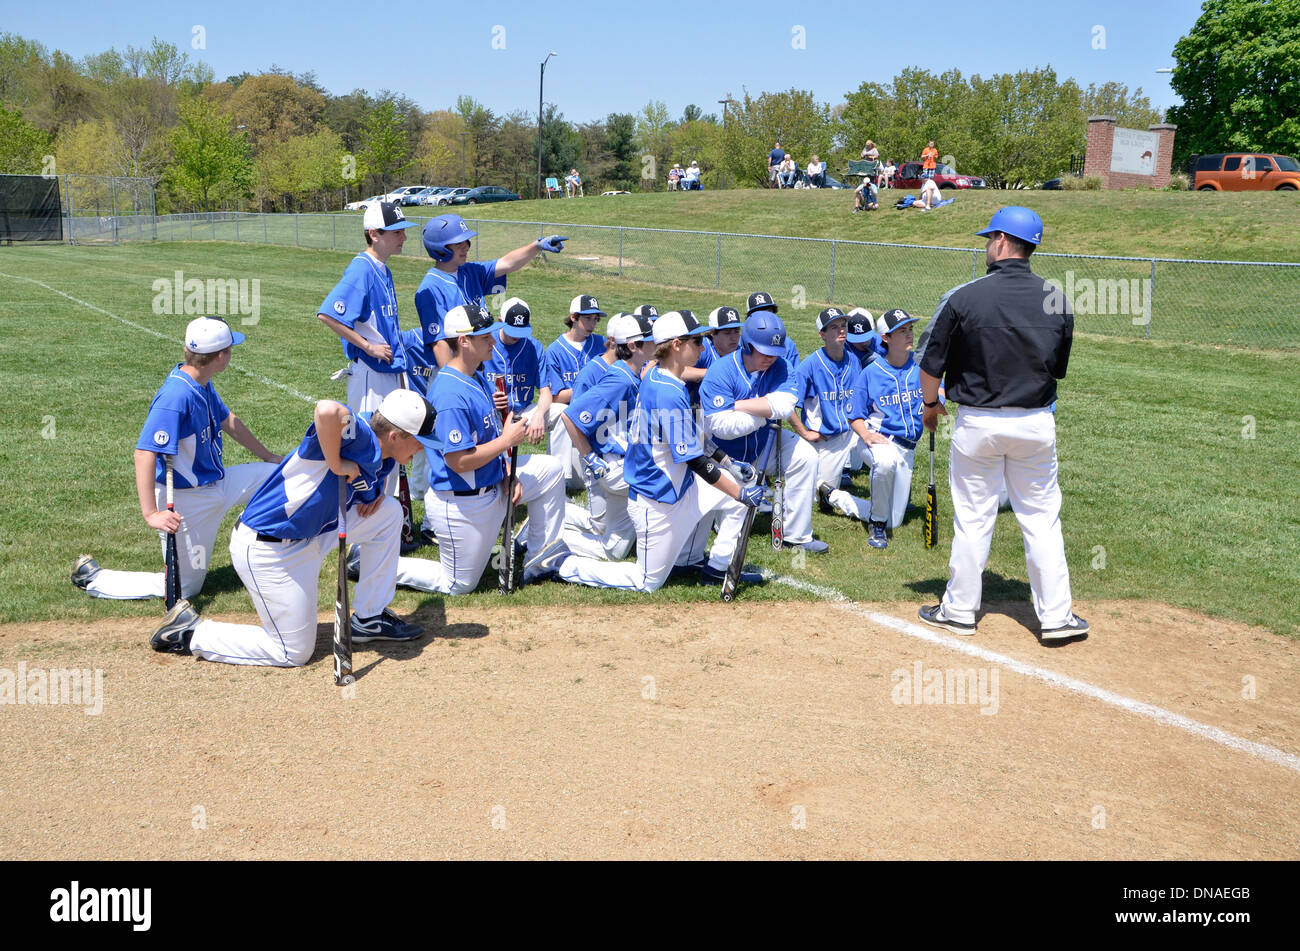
{"points": [[1175, 460]]}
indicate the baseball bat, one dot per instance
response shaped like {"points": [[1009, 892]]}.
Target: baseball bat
{"points": [[342, 614], [778, 497], [931, 504], [731, 581], [172, 571], [409, 542], [506, 571]]}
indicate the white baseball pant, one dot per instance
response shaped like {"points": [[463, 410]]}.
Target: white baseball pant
{"points": [[833, 454], [800, 463], [662, 528], [603, 529], [283, 580], [891, 482], [1018, 446], [201, 511], [467, 526], [559, 444]]}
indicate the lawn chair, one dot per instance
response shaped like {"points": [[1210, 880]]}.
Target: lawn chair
{"points": [[552, 185]]}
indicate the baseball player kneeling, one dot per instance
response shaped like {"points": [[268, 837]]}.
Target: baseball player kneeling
{"points": [[183, 428], [597, 425], [886, 415], [672, 483], [466, 503], [290, 527]]}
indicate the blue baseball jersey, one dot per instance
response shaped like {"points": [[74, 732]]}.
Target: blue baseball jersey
{"points": [[601, 412], [563, 361], [824, 388], [366, 301], [184, 421], [791, 355], [521, 365], [728, 382], [889, 398], [466, 418], [589, 376], [301, 498], [874, 349], [662, 439], [708, 355], [421, 368], [439, 292]]}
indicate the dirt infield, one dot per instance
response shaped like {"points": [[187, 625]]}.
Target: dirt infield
{"points": [[660, 731]]}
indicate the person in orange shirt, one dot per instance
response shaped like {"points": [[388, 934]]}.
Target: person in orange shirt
{"points": [[929, 158]]}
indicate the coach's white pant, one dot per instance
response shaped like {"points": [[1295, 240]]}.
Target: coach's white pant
{"points": [[467, 526], [603, 529], [201, 511], [1018, 445], [662, 528], [891, 482], [283, 579], [834, 453]]}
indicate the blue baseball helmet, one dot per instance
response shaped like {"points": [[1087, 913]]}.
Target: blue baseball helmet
{"points": [[763, 331], [445, 230], [1022, 223]]}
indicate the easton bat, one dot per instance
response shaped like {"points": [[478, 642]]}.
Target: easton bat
{"points": [[931, 505], [506, 570], [409, 541], [342, 614], [731, 581], [778, 497], [172, 572]]}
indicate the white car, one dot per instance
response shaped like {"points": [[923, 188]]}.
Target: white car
{"points": [[446, 197], [361, 205], [398, 194]]}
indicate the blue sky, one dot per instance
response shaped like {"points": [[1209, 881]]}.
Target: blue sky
{"points": [[618, 58]]}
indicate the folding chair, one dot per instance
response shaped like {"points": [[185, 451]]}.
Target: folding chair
{"points": [[552, 185]]}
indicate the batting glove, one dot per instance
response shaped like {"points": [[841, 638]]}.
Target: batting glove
{"points": [[593, 467], [745, 472], [553, 243], [753, 496]]}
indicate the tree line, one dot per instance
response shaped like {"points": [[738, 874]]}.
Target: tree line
{"points": [[279, 141]]}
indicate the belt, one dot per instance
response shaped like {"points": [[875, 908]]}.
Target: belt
{"points": [[903, 441], [482, 490], [263, 537]]}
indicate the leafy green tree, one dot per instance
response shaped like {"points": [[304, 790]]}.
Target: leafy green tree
{"points": [[559, 144], [385, 149], [22, 145], [275, 108], [794, 118], [213, 161], [1113, 99], [620, 143], [1238, 73]]}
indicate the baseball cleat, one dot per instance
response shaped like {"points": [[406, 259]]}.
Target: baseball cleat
{"points": [[427, 537], [824, 498], [354, 563], [693, 568], [933, 614], [1077, 627], [711, 576], [173, 635], [84, 571], [546, 567], [876, 535], [812, 546], [383, 627]]}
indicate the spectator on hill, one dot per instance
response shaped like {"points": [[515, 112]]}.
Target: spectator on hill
{"points": [[787, 173], [816, 173], [572, 184], [929, 159], [865, 196], [870, 152], [930, 195], [691, 177], [774, 160], [891, 168], [674, 176]]}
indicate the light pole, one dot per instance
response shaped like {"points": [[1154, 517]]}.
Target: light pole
{"points": [[540, 82], [724, 103]]}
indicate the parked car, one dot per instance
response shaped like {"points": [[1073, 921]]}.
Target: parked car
{"points": [[1052, 185], [406, 194], [444, 198], [430, 195], [417, 198], [361, 205], [484, 194], [945, 176], [1246, 172]]}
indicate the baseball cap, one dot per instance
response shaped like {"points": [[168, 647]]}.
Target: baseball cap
{"points": [[517, 318], [647, 325], [759, 300], [468, 320], [585, 304], [862, 326], [677, 323], [647, 310], [891, 320], [408, 411], [385, 216], [829, 314], [721, 317], [624, 328], [210, 335]]}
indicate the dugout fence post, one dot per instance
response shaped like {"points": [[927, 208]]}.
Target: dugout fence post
{"points": [[236, 226], [334, 233], [265, 239], [212, 219], [831, 298], [1151, 289], [296, 241], [620, 251], [72, 212], [974, 264], [717, 279], [112, 204]]}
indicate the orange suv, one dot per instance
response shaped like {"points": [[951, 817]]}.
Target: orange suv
{"points": [[1246, 172]]}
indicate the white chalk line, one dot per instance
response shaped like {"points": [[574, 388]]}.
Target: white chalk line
{"points": [[149, 330], [952, 642]]}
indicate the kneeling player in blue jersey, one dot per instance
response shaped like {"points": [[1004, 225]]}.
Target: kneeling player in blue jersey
{"points": [[886, 415], [290, 527], [672, 483]]}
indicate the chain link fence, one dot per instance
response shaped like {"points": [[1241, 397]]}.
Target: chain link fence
{"points": [[1240, 303]]}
